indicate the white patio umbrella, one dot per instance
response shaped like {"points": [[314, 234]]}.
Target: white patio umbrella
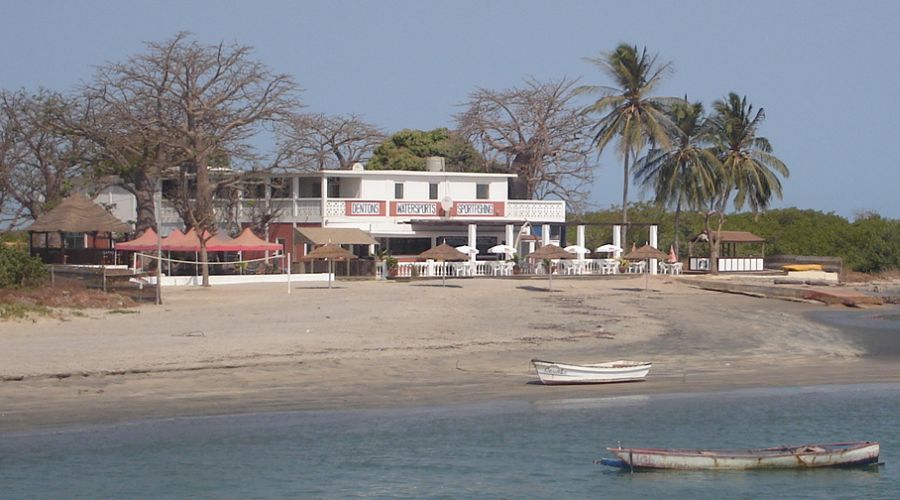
{"points": [[466, 249], [502, 249], [577, 249], [506, 251], [608, 248]]}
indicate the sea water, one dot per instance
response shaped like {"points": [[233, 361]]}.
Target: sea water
{"points": [[511, 449]]}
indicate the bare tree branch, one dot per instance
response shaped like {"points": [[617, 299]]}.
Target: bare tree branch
{"points": [[538, 133], [312, 142]]}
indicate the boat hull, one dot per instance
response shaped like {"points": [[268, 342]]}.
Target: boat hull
{"points": [[553, 373], [796, 457]]}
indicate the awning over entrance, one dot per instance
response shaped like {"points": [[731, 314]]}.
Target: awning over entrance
{"points": [[335, 236]]}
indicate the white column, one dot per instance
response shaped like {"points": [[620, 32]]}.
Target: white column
{"points": [[473, 233], [295, 195], [579, 239], [510, 238], [545, 234], [324, 197], [654, 237], [617, 240]]}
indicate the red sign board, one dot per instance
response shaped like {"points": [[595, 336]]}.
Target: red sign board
{"points": [[365, 208]]}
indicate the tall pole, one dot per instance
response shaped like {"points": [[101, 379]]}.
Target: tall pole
{"points": [[158, 253]]}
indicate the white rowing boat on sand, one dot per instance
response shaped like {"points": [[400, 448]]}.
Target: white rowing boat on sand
{"points": [[551, 372], [783, 457]]}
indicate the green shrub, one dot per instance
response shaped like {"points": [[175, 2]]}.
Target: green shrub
{"points": [[18, 269]]}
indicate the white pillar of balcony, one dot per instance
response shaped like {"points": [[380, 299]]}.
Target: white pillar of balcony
{"points": [[579, 239], [617, 240], [324, 197], [473, 238], [510, 238], [654, 237], [295, 193], [545, 234]]}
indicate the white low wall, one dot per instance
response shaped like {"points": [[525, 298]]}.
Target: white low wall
{"points": [[239, 279]]}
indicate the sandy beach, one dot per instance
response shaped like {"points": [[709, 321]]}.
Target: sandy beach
{"points": [[365, 344]]}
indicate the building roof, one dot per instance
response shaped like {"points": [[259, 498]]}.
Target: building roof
{"points": [[731, 237], [336, 236], [78, 214]]}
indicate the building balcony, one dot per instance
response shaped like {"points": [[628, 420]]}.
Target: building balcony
{"points": [[309, 210]]}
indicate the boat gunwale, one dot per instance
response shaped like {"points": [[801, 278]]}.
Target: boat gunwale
{"points": [[608, 364], [774, 452]]}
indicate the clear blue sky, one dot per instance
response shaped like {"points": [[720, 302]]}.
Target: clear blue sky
{"points": [[826, 72]]}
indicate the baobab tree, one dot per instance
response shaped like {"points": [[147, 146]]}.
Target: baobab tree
{"points": [[535, 131], [203, 102], [315, 141]]}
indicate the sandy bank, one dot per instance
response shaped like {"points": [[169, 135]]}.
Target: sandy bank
{"points": [[370, 344]]}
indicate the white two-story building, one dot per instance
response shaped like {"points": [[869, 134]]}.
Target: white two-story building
{"points": [[404, 212]]}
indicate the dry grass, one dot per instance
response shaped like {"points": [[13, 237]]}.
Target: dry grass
{"points": [[42, 301]]}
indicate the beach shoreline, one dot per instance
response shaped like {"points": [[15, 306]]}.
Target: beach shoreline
{"points": [[254, 348]]}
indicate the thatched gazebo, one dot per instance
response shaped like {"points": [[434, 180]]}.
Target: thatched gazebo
{"points": [[77, 231], [550, 251], [330, 253], [443, 253]]}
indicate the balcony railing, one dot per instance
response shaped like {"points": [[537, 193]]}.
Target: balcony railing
{"points": [[310, 210]]}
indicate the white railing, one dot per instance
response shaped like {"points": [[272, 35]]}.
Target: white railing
{"points": [[454, 269], [537, 210], [309, 208], [335, 208]]}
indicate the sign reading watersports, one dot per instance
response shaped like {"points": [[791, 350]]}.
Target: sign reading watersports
{"points": [[415, 208], [365, 208], [476, 209]]}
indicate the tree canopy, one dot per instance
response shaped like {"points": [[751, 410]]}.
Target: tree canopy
{"points": [[407, 150]]}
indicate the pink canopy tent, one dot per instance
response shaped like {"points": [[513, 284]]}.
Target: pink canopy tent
{"points": [[177, 241], [249, 242], [145, 242], [190, 242]]}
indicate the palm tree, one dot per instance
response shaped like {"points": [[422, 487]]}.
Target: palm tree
{"points": [[683, 175], [626, 110], [749, 169]]}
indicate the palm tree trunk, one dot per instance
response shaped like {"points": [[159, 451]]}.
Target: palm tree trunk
{"points": [[625, 199], [677, 222]]}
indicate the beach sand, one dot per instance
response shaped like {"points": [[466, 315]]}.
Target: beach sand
{"points": [[367, 344]]}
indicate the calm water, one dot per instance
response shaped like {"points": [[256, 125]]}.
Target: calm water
{"points": [[500, 450]]}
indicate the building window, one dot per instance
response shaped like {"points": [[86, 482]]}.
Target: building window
{"points": [[398, 190], [76, 240], [407, 246], [482, 191], [282, 187], [432, 191], [334, 187]]}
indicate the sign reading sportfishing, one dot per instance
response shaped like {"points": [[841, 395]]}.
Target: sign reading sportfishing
{"points": [[478, 209]]}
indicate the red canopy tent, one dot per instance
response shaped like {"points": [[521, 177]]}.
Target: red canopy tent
{"points": [[179, 242], [249, 242], [190, 242], [146, 241]]}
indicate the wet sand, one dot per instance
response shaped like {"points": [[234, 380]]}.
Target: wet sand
{"points": [[249, 348]]}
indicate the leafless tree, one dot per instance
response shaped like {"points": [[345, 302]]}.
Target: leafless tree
{"points": [[123, 115], [205, 102], [313, 142], [39, 165], [538, 133]]}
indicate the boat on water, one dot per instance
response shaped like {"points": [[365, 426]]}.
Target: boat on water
{"points": [[783, 457], [551, 372]]}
